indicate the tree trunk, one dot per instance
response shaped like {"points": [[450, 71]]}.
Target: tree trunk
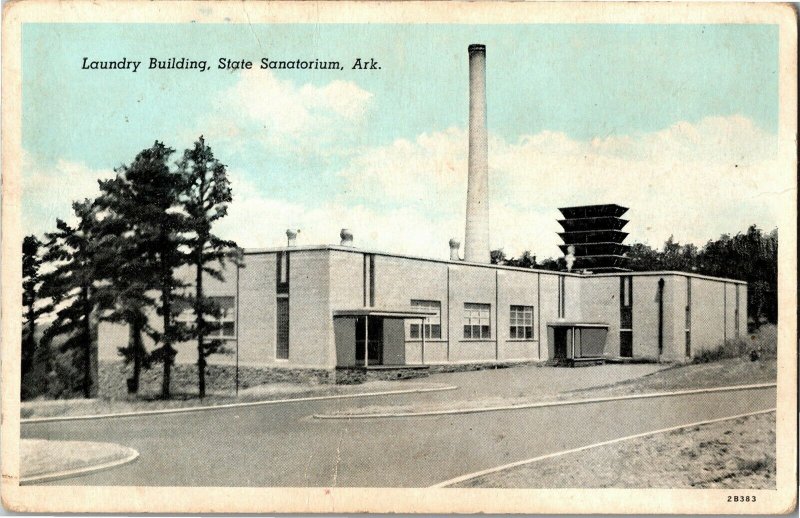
{"points": [[201, 372], [87, 351], [165, 393], [135, 343], [199, 314], [168, 352]]}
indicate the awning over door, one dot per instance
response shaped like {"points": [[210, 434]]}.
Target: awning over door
{"points": [[384, 312]]}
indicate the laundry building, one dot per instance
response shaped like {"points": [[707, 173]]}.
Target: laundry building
{"points": [[329, 307], [324, 307]]}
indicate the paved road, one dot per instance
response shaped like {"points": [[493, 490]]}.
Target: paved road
{"points": [[282, 445]]}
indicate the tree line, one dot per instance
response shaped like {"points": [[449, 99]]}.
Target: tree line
{"points": [[118, 264], [750, 256]]}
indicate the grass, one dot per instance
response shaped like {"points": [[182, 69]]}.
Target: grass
{"points": [[270, 392], [41, 457], [735, 454], [763, 344]]}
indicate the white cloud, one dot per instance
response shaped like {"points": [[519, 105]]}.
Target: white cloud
{"points": [[48, 192], [693, 180], [280, 113], [255, 220]]}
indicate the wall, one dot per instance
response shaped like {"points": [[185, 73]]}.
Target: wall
{"points": [[398, 281], [600, 303], [394, 335], [548, 297], [113, 336], [470, 284], [345, 338], [346, 291], [708, 314], [310, 319], [517, 289]]}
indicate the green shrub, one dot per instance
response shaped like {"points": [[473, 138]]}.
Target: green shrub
{"points": [[762, 344]]}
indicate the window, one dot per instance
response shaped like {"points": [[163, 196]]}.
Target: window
{"points": [[521, 322], [282, 328], [225, 318], [433, 323], [477, 324]]}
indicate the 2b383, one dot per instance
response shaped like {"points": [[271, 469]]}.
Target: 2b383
{"points": [[733, 498]]}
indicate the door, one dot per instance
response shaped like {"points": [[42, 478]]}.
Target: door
{"points": [[560, 342], [626, 344], [374, 337]]}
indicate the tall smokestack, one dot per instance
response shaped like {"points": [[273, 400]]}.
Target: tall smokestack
{"points": [[476, 242]]}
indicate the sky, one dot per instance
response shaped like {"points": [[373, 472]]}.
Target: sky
{"points": [[677, 122]]}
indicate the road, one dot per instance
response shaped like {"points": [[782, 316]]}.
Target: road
{"points": [[282, 445]]}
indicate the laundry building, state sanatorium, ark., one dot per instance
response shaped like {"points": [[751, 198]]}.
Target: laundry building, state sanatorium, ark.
{"points": [[298, 311]]}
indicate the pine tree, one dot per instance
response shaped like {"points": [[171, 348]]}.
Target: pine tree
{"points": [[70, 287], [31, 262], [145, 196], [205, 199]]}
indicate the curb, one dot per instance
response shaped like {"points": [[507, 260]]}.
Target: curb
{"points": [[504, 467], [47, 477], [34, 420], [545, 404]]}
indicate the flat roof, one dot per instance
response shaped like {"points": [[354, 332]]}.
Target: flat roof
{"points": [[355, 250]]}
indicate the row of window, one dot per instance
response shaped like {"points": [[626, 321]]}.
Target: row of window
{"points": [[225, 319], [476, 321]]}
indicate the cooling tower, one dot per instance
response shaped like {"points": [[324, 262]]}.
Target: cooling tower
{"points": [[476, 242]]}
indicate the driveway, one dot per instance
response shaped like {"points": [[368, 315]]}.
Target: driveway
{"points": [[282, 445]]}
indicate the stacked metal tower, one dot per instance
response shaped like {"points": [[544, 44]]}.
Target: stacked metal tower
{"points": [[593, 233]]}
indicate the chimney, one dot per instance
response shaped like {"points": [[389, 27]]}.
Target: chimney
{"points": [[476, 243], [454, 246], [347, 237], [291, 237]]}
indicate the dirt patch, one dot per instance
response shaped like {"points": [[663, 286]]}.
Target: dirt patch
{"points": [[735, 454], [41, 457]]}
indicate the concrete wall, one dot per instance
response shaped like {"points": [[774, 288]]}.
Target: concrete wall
{"points": [[548, 308], [708, 314], [398, 281], [600, 303], [345, 338], [471, 284], [394, 337], [517, 289], [256, 324]]}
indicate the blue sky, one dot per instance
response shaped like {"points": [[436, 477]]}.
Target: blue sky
{"points": [[305, 147]]}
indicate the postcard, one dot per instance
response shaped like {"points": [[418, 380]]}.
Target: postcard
{"points": [[399, 257]]}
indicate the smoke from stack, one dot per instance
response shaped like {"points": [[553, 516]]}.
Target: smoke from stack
{"points": [[476, 242], [570, 257]]}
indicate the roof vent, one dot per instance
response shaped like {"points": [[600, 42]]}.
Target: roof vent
{"points": [[291, 237], [347, 237], [454, 246]]}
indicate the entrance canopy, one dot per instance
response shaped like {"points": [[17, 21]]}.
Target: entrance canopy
{"points": [[374, 336], [576, 340], [384, 312]]}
